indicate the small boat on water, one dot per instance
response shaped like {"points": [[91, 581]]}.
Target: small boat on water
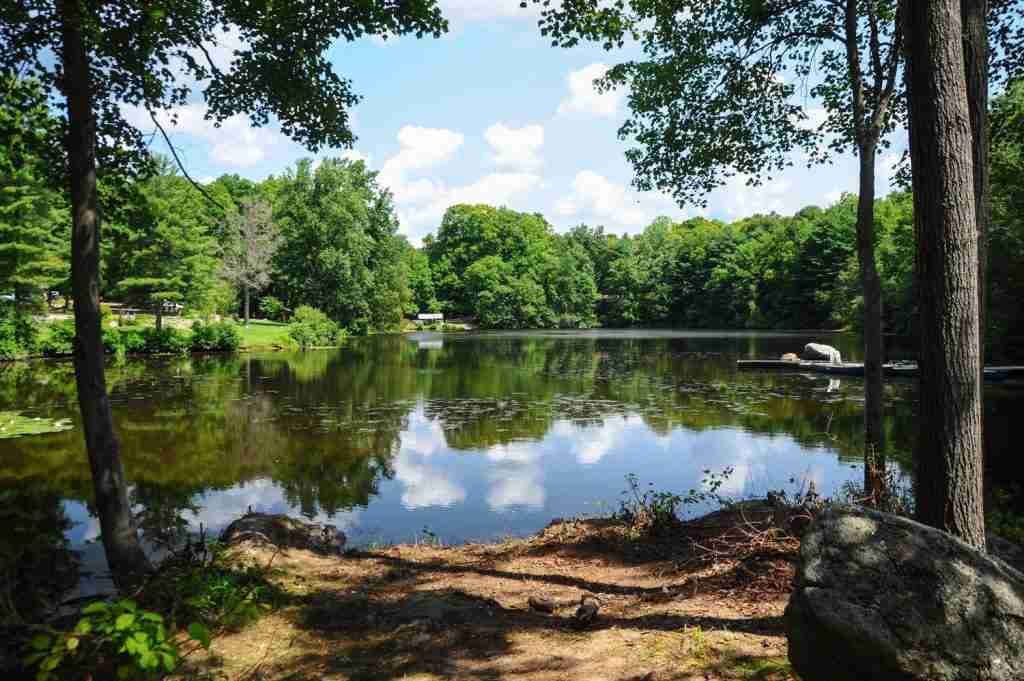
{"points": [[904, 369]]}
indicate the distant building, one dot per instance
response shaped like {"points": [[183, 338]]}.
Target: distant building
{"points": [[430, 317]]}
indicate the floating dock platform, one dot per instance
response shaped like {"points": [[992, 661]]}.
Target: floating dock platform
{"points": [[905, 369]]}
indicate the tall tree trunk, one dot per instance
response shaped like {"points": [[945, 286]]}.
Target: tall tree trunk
{"points": [[120, 540], [949, 449], [159, 315], [874, 433], [246, 304], [974, 18]]}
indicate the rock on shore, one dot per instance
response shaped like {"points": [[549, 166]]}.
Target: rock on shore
{"points": [[284, 532], [882, 597]]}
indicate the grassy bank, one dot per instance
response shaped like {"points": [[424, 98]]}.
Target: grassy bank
{"points": [[262, 334]]}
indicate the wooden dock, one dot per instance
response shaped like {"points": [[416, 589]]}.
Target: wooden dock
{"points": [[904, 369]]}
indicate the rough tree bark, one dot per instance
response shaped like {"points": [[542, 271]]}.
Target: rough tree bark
{"points": [[949, 450], [974, 19], [120, 540]]}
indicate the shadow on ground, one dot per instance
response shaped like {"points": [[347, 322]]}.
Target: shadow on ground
{"points": [[422, 612]]}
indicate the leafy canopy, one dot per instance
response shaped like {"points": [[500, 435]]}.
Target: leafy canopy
{"points": [[158, 55], [722, 86]]}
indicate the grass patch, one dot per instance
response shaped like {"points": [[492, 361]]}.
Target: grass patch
{"points": [[262, 333]]}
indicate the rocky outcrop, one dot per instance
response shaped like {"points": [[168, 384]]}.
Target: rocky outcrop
{"points": [[882, 597], [284, 532], [818, 352]]}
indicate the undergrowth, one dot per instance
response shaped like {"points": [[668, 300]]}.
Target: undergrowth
{"points": [[194, 595]]}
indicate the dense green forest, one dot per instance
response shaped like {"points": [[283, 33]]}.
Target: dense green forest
{"points": [[330, 241]]}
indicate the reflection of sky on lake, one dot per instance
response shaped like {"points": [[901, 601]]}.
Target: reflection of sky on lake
{"points": [[518, 487]]}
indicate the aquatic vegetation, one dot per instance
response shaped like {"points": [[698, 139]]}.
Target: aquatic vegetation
{"points": [[14, 424]]}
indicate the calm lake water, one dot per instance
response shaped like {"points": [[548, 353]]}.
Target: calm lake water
{"points": [[459, 436]]}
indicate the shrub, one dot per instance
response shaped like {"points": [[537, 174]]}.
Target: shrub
{"points": [[58, 339], [272, 308], [123, 341], [18, 333], [311, 328], [215, 336], [111, 638], [649, 512], [166, 340]]}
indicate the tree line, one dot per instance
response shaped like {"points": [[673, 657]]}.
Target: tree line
{"points": [[326, 235]]}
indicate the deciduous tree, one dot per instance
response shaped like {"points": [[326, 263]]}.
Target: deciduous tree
{"points": [[95, 58], [253, 240], [714, 96]]}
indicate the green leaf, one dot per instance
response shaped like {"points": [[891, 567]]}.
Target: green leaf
{"points": [[125, 671], [124, 621], [151, 617], [128, 605], [40, 642], [95, 608], [72, 643], [169, 662], [200, 633], [51, 662]]}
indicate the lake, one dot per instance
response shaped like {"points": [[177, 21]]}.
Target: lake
{"points": [[458, 437]]}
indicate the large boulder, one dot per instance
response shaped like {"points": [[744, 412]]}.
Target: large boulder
{"points": [[882, 597], [819, 352], [284, 532]]}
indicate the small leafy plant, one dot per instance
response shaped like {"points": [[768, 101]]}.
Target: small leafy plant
{"points": [[650, 511], [111, 636]]}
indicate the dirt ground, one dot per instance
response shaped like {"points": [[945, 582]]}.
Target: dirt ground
{"points": [[685, 606]]}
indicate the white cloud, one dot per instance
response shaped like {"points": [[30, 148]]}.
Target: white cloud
{"points": [[584, 97], [422, 201], [235, 142], [516, 147], [420, 148], [354, 155], [597, 196], [832, 197], [421, 204], [740, 200]]}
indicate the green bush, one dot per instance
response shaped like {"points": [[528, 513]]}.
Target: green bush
{"points": [[167, 340], [124, 341], [215, 336], [311, 328], [58, 339], [111, 639], [19, 333], [272, 308]]}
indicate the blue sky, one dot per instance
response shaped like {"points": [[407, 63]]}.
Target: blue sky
{"points": [[491, 113]]}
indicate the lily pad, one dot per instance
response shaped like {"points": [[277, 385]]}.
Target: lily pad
{"points": [[13, 424]]}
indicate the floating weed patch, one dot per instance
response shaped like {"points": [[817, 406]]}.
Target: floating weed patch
{"points": [[13, 424]]}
